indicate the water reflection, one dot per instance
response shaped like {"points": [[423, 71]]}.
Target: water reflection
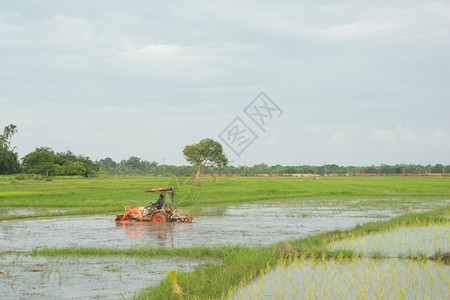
{"points": [[161, 233]]}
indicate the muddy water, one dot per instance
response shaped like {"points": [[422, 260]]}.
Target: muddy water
{"points": [[247, 225], [71, 277]]}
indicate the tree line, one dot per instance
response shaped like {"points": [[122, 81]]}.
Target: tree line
{"points": [[153, 168], [44, 161]]}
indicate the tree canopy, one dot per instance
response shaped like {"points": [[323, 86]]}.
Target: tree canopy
{"points": [[5, 138], [9, 161], [45, 161], [133, 165], [207, 151]]}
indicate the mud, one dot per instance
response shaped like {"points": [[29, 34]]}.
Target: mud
{"points": [[71, 277], [246, 225]]}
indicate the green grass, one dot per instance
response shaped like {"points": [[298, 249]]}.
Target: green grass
{"points": [[111, 194]]}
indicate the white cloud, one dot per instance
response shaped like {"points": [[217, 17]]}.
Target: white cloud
{"points": [[198, 63], [65, 28], [407, 137], [383, 136], [398, 135], [348, 21], [338, 139], [360, 30], [158, 53], [439, 136]]}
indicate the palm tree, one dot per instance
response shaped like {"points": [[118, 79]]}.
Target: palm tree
{"points": [[8, 133]]}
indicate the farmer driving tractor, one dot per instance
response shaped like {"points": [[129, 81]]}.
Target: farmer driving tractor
{"points": [[156, 212], [160, 202]]}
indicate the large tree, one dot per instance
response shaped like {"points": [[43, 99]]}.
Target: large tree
{"points": [[5, 138], [206, 152], [9, 161], [41, 161]]}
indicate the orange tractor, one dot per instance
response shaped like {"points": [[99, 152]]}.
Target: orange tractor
{"points": [[153, 214]]}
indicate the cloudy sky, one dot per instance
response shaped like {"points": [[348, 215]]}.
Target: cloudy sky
{"points": [[355, 82]]}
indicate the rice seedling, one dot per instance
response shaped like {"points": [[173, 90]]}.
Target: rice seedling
{"points": [[403, 241], [242, 266], [172, 275], [363, 278]]}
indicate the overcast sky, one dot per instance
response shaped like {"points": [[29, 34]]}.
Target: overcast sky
{"points": [[354, 82]]}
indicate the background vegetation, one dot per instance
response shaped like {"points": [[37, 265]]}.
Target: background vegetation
{"points": [[106, 194], [135, 165], [46, 162]]}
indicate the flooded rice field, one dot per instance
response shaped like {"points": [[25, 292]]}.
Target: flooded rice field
{"points": [[246, 225], [364, 278], [114, 277], [72, 277], [404, 241]]}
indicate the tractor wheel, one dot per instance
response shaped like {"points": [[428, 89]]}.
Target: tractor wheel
{"points": [[159, 218]]}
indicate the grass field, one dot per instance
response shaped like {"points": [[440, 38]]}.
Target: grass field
{"points": [[240, 264], [110, 194]]}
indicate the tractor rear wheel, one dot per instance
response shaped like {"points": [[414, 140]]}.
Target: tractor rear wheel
{"points": [[159, 218]]}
